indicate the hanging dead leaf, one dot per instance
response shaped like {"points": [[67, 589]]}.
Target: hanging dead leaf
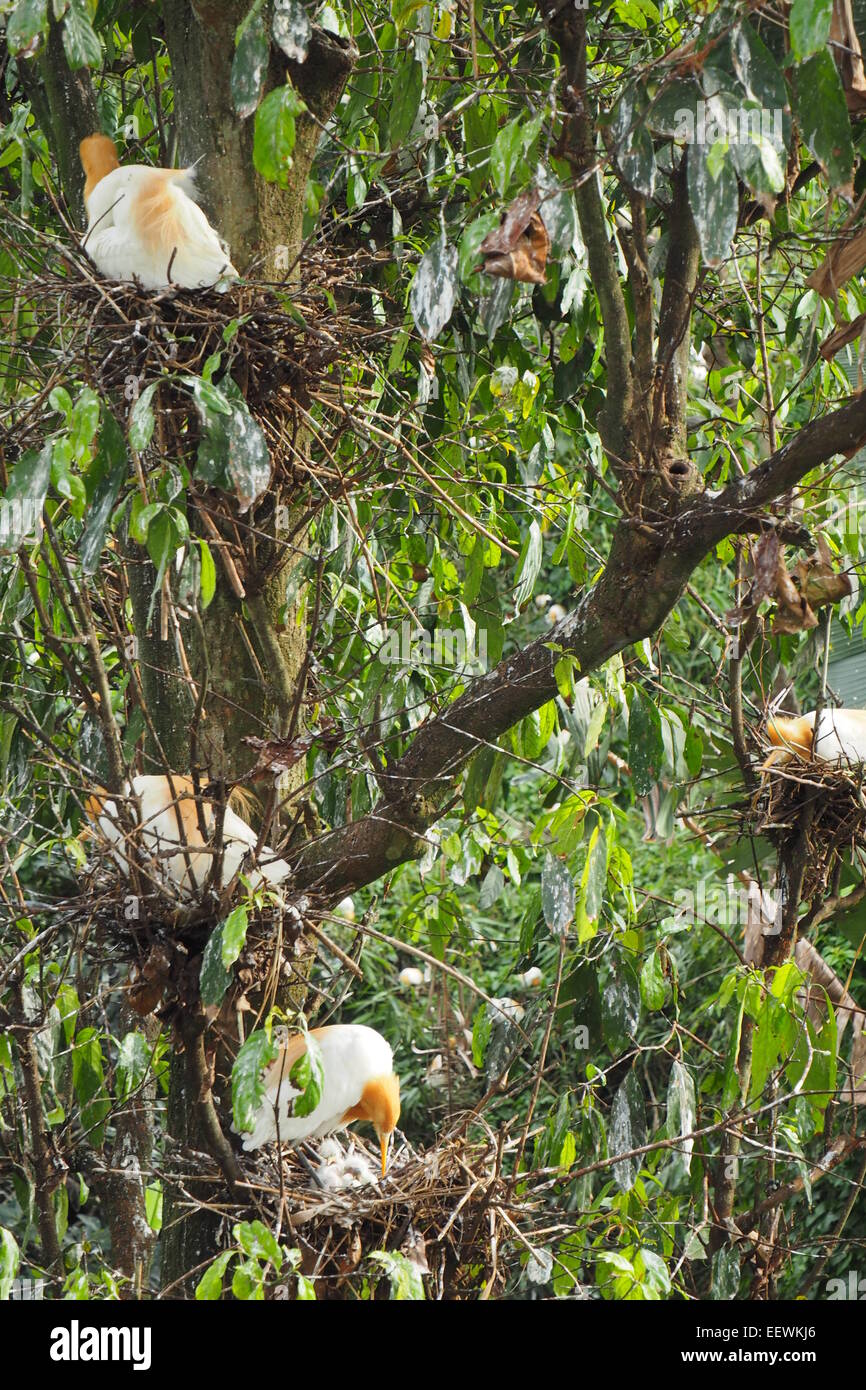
{"points": [[276, 755], [845, 333], [793, 613], [845, 47], [845, 258], [147, 984], [519, 247], [819, 581]]}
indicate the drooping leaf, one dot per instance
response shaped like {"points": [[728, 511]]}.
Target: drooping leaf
{"points": [[250, 62], [232, 452], [809, 26], [142, 419], [434, 289], [10, 1259], [80, 41], [627, 1131], [292, 29], [407, 98], [404, 1276], [215, 977], [713, 198], [308, 1075], [682, 1111], [823, 118], [646, 748], [21, 508], [557, 895], [528, 565], [274, 136], [248, 1086], [27, 23], [112, 453], [234, 935]]}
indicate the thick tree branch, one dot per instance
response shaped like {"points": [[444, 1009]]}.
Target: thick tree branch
{"points": [[645, 576], [680, 280], [577, 144]]}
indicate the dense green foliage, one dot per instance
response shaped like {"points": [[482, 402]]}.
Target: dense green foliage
{"points": [[464, 493]]}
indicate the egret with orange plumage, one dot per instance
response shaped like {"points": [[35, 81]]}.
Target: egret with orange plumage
{"points": [[359, 1084], [143, 223]]}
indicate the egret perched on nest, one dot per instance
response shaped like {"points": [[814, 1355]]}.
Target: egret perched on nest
{"points": [[359, 1084], [840, 740], [171, 834], [143, 224]]}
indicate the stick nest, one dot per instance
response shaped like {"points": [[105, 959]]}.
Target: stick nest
{"points": [[834, 797], [441, 1210], [282, 343]]}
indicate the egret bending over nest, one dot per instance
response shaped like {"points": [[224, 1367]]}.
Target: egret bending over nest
{"points": [[359, 1084]]}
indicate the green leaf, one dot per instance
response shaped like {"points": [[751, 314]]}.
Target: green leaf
{"points": [[434, 289], [809, 26], [21, 514], [88, 1078], [682, 1111], [308, 1076], [82, 46], [402, 11], [207, 578], [248, 1087], [528, 565], [482, 1027], [232, 452], [250, 62], [713, 198], [653, 985], [214, 979], [408, 87], [258, 1242], [142, 419], [505, 154], [274, 137], [132, 1064], [210, 1285], [823, 118], [646, 748], [403, 1276], [10, 1260], [557, 895], [27, 22], [234, 930], [112, 455], [592, 885]]}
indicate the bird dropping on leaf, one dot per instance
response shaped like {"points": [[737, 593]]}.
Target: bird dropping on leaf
{"points": [[519, 247]]}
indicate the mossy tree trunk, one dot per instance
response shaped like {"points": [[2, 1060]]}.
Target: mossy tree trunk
{"points": [[248, 653]]}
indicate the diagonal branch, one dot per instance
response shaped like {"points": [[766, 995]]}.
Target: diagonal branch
{"points": [[645, 576]]}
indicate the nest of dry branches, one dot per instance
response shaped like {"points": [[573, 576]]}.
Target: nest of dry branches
{"points": [[443, 1211], [281, 343], [824, 802]]}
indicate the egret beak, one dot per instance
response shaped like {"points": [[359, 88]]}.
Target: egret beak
{"points": [[384, 1141]]}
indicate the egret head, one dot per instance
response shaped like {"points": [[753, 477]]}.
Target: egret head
{"points": [[98, 156], [380, 1104]]}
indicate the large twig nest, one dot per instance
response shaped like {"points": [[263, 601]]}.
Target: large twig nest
{"points": [[834, 797]]}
